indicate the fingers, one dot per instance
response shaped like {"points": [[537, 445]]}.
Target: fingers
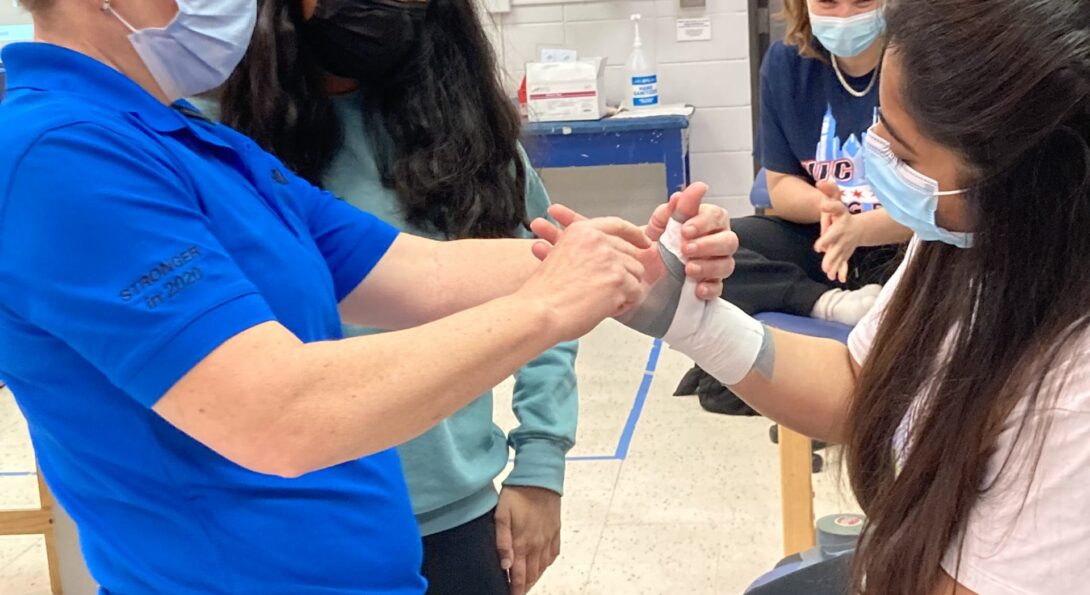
{"points": [[629, 258], [565, 216], [830, 238], [829, 264], [533, 570], [546, 230], [833, 262], [634, 268], [713, 270], [833, 207], [518, 576], [661, 217], [843, 272], [832, 212], [711, 220], [545, 560], [623, 247], [620, 228], [717, 245], [709, 290], [505, 540]]}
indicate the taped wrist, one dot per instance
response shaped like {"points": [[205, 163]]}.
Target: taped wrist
{"points": [[717, 335]]}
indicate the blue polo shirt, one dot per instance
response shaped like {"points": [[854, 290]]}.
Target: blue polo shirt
{"points": [[135, 238]]}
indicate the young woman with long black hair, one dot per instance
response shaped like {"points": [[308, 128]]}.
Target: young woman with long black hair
{"points": [[963, 398], [819, 97], [397, 107]]}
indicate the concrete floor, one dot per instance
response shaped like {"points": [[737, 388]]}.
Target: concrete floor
{"points": [[662, 498]]}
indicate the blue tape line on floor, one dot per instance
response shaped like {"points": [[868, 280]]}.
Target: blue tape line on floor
{"points": [[641, 398], [16, 473]]}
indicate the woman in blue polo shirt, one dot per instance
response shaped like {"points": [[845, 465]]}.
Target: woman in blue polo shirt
{"points": [[419, 131], [171, 296]]}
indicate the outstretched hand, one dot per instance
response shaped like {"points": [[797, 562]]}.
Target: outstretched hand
{"points": [[841, 233]]}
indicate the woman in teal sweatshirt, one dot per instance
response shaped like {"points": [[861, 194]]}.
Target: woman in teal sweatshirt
{"points": [[397, 108]]}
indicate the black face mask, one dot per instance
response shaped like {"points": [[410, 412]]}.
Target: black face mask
{"points": [[364, 39]]}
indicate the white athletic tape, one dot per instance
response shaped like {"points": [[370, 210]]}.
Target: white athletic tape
{"points": [[717, 335]]}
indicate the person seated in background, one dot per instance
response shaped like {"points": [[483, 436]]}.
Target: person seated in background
{"points": [[819, 95], [402, 114]]}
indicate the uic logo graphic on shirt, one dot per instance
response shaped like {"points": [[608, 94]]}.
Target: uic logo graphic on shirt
{"points": [[843, 162]]}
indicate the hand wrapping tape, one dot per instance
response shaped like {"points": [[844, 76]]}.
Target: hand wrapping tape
{"points": [[717, 335]]}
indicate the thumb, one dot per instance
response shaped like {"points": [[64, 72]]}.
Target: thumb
{"points": [[541, 250], [688, 203], [505, 541], [829, 188]]}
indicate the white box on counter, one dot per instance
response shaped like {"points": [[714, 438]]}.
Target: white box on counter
{"points": [[566, 91]]}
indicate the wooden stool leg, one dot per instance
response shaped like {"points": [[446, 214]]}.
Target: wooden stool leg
{"points": [[50, 538], [796, 480]]}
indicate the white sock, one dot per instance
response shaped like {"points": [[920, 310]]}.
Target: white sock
{"points": [[846, 307]]}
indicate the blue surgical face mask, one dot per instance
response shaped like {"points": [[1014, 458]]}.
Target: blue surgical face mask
{"points": [[851, 36], [909, 197], [199, 49]]}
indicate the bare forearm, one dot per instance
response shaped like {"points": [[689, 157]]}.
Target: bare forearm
{"points": [[793, 198], [881, 230], [297, 408], [803, 383], [378, 401], [446, 277], [477, 271]]}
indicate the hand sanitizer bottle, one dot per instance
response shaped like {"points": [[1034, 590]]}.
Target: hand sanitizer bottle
{"points": [[643, 81]]}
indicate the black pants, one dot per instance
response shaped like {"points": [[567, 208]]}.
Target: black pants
{"points": [[465, 561], [827, 578], [777, 269]]}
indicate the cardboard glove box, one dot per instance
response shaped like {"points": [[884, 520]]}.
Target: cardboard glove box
{"points": [[566, 91]]}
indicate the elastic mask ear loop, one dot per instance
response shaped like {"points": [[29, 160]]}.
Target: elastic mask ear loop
{"points": [[108, 9], [951, 192]]}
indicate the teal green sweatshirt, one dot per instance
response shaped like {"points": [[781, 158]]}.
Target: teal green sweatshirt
{"points": [[451, 469]]}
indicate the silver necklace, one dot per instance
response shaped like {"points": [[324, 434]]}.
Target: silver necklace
{"points": [[847, 87]]}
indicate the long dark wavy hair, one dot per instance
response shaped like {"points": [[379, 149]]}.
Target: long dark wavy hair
{"points": [[445, 132], [1007, 85]]}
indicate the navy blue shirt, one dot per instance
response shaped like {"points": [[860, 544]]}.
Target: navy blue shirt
{"points": [[134, 240], [811, 126]]}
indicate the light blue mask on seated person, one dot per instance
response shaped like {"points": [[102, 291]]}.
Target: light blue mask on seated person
{"points": [[848, 37], [909, 197]]}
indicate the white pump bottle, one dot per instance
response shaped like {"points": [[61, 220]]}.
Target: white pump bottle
{"points": [[642, 79]]}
